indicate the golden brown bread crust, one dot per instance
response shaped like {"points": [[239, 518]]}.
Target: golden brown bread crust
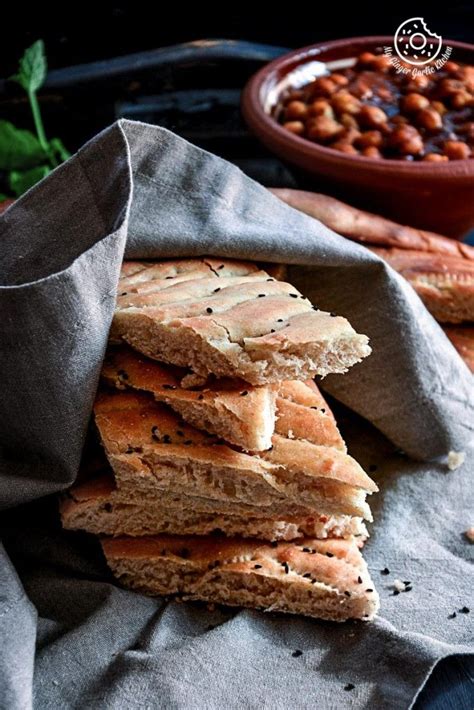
{"points": [[369, 228], [322, 578], [98, 507], [463, 341], [249, 325], [231, 409], [149, 447], [444, 283]]}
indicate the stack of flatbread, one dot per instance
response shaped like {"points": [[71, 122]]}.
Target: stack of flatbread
{"points": [[229, 480]]}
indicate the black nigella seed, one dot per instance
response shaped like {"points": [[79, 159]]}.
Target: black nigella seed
{"points": [[348, 594], [179, 432], [188, 442], [406, 581], [169, 387], [244, 393], [274, 543], [323, 410], [359, 580], [108, 507], [124, 293], [167, 439], [308, 549], [464, 610], [270, 448], [270, 279], [349, 686], [272, 330], [257, 566], [220, 267], [313, 408], [452, 616], [293, 295], [329, 554], [333, 315], [297, 653], [395, 593], [408, 588], [385, 571], [372, 467], [209, 309], [261, 295], [123, 374], [169, 277], [369, 590], [307, 575], [184, 552], [285, 567], [217, 289], [130, 449], [280, 320], [201, 397]]}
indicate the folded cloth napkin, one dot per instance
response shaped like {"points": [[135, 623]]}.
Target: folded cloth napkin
{"points": [[69, 637]]}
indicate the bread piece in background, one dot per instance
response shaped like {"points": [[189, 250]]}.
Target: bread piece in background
{"points": [[326, 579], [445, 284], [97, 506], [231, 409], [151, 450], [369, 228], [441, 270], [231, 324], [463, 340]]}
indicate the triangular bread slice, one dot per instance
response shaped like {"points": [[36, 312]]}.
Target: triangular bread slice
{"points": [[241, 414], [97, 506], [326, 579], [150, 450], [233, 321]]}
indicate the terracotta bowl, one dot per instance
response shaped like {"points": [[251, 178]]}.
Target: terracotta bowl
{"points": [[434, 196]]}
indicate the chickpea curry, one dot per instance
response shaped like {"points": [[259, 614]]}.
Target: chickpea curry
{"points": [[371, 110]]}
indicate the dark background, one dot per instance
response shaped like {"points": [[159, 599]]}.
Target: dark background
{"points": [[83, 32]]}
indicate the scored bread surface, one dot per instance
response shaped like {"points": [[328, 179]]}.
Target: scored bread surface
{"points": [[231, 320], [326, 579]]}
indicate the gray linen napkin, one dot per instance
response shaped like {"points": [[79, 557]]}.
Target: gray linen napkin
{"points": [[75, 639]]}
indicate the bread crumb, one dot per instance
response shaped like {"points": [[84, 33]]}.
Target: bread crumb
{"points": [[290, 434], [398, 585], [455, 459], [469, 533]]}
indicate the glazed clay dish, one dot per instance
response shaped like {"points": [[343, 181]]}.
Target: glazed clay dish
{"points": [[398, 144]]}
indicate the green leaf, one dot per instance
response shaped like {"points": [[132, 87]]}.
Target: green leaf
{"points": [[21, 181], [33, 67], [19, 149], [59, 149]]}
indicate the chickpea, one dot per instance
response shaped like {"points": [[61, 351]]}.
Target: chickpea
{"points": [[439, 107], [372, 116], [384, 93], [348, 121], [344, 147], [296, 127], [466, 75], [399, 120], [349, 135], [372, 139], [467, 129], [381, 63], [323, 86], [344, 102], [366, 58], [411, 103], [371, 152], [435, 158], [406, 140], [456, 150], [294, 95], [362, 89], [339, 79], [461, 99], [323, 128], [296, 110], [447, 87], [430, 119], [321, 107], [418, 82], [451, 67]]}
